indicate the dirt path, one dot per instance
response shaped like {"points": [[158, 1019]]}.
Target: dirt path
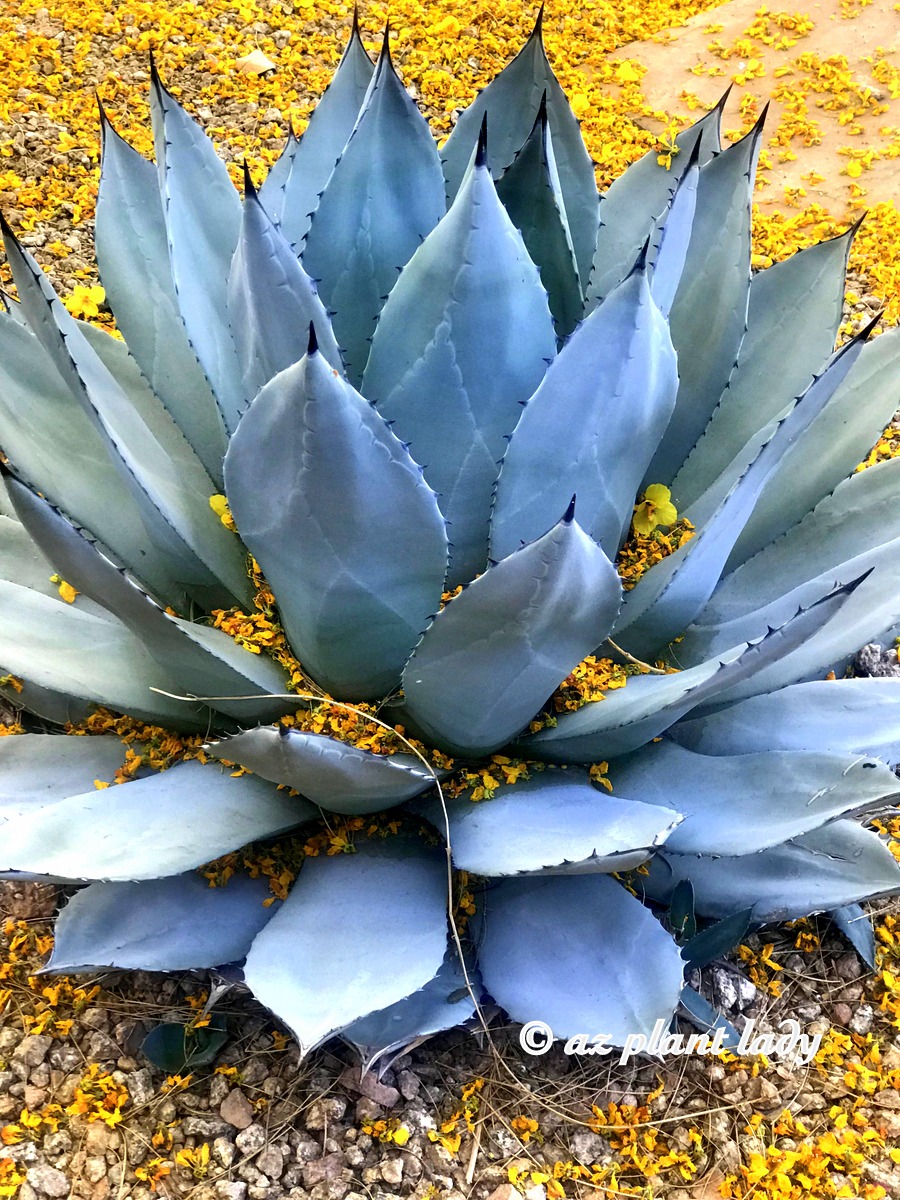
{"points": [[831, 73]]}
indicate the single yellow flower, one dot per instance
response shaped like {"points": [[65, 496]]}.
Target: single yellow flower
{"points": [[655, 509]]}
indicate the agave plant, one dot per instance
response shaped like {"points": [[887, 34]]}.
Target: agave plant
{"points": [[436, 388]]}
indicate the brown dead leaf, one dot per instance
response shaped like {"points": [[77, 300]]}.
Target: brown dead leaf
{"points": [[255, 63]]}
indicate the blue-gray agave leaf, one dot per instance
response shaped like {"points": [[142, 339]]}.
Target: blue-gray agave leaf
{"points": [[37, 769], [292, 188], [532, 195], [148, 828], [709, 313], [166, 479], [592, 425], [701, 1014], [85, 658], [628, 718], [133, 257], [772, 796], [845, 716], [632, 205], [540, 932], [52, 442], [384, 196], [464, 339], [671, 237], [837, 538], [856, 926], [871, 620], [175, 924], [442, 1003], [492, 657], [872, 609], [669, 597], [840, 438], [842, 863], [337, 776], [21, 562], [202, 660], [271, 301], [510, 102], [203, 221], [357, 933], [556, 823], [793, 318], [341, 521]]}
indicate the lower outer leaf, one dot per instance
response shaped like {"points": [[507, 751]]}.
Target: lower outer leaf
{"points": [[579, 953], [174, 924], [37, 769], [840, 864], [846, 716], [146, 829], [357, 933], [442, 1003]]}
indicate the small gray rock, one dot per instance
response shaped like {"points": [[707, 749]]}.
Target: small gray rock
{"points": [[408, 1084], [95, 1169], [330, 1189], [65, 1058], [731, 992], [98, 1138], [230, 1189], [34, 1097], [223, 1152], [847, 967], [861, 1021], [47, 1180], [140, 1086], [32, 1051], [322, 1169], [205, 1127], [589, 1148], [325, 1112], [271, 1162], [392, 1171], [305, 1149], [57, 1143], [219, 1087], [251, 1140], [875, 663]]}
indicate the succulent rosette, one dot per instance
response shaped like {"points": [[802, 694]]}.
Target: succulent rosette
{"points": [[444, 427]]}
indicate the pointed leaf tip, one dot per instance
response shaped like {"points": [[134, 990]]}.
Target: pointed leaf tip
{"points": [[354, 28], [640, 263], [386, 44], [538, 31], [694, 158], [313, 346], [569, 514], [104, 119], [249, 189], [481, 149], [866, 332], [540, 121], [723, 99]]}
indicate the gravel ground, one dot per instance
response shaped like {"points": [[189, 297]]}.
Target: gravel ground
{"points": [[273, 1126]]}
